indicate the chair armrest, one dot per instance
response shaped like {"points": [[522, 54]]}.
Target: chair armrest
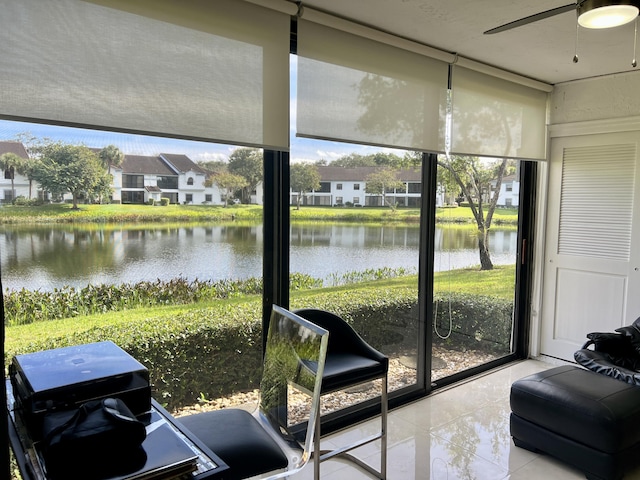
{"points": [[607, 342]]}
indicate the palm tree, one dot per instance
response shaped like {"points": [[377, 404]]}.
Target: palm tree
{"points": [[10, 162], [111, 156]]}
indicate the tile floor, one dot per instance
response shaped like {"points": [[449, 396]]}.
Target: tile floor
{"points": [[458, 433]]}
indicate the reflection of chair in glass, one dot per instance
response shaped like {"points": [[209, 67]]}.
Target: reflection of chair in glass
{"points": [[350, 361], [272, 439]]}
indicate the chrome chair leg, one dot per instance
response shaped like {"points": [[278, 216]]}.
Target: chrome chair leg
{"points": [[342, 453]]}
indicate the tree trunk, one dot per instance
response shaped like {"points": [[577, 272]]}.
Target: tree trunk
{"points": [[483, 249]]}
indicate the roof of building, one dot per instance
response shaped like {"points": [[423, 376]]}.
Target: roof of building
{"points": [[141, 164], [13, 147], [359, 174], [182, 163]]}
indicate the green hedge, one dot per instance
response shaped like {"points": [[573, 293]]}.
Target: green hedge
{"points": [[209, 351], [212, 352], [476, 322]]}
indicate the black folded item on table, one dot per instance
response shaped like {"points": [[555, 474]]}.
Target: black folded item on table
{"points": [[100, 436]]}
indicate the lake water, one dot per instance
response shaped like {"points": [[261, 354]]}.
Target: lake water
{"points": [[46, 257]]}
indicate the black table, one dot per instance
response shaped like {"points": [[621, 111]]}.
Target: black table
{"points": [[170, 449]]}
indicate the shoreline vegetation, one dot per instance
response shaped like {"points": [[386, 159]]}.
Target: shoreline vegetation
{"points": [[136, 214]]}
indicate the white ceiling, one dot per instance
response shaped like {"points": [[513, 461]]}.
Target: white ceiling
{"points": [[542, 50]]}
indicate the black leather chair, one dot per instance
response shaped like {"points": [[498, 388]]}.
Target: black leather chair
{"points": [[350, 361], [616, 354]]}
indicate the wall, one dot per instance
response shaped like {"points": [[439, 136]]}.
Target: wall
{"points": [[600, 98]]}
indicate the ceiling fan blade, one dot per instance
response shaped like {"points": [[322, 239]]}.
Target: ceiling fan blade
{"points": [[532, 18]]}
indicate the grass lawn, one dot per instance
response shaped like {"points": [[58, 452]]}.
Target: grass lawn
{"points": [[113, 213]]}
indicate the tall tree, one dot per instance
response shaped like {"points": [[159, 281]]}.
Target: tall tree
{"points": [[111, 156], [71, 168], [247, 162], [353, 160], [475, 177], [227, 182], [28, 168], [11, 163], [381, 182], [213, 166], [492, 121], [304, 178], [378, 159]]}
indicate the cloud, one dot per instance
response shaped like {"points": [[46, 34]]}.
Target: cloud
{"points": [[329, 156], [210, 157]]}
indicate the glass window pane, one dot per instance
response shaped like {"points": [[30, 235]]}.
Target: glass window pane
{"points": [[134, 264], [474, 267], [359, 261]]}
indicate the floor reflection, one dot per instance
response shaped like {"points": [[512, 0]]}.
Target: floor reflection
{"points": [[461, 433]]}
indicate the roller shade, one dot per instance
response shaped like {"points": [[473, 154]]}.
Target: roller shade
{"points": [[496, 118], [205, 70], [357, 90]]}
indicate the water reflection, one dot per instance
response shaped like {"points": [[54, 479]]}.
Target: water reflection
{"points": [[45, 257]]}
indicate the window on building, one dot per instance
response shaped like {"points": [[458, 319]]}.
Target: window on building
{"points": [[208, 197], [413, 187], [132, 197], [339, 200], [356, 200], [167, 181], [509, 187], [325, 187], [338, 186], [190, 181], [8, 173], [356, 186], [132, 181], [188, 198]]}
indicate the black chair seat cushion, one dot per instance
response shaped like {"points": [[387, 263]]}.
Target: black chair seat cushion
{"points": [[592, 409], [343, 370], [239, 440]]}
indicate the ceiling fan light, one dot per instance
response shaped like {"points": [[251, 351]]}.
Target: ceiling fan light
{"points": [[592, 14]]}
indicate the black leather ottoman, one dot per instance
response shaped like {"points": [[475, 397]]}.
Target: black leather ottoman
{"points": [[583, 418]]}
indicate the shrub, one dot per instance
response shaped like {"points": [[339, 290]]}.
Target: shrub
{"points": [[164, 201], [28, 306], [22, 201], [480, 322], [210, 351], [151, 202]]}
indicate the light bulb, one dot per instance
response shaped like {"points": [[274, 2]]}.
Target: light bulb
{"points": [[608, 16]]}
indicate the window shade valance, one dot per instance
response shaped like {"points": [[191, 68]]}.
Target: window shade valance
{"points": [[357, 90], [496, 118], [197, 69]]}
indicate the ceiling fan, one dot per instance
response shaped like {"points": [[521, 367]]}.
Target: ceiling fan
{"points": [[591, 14]]}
